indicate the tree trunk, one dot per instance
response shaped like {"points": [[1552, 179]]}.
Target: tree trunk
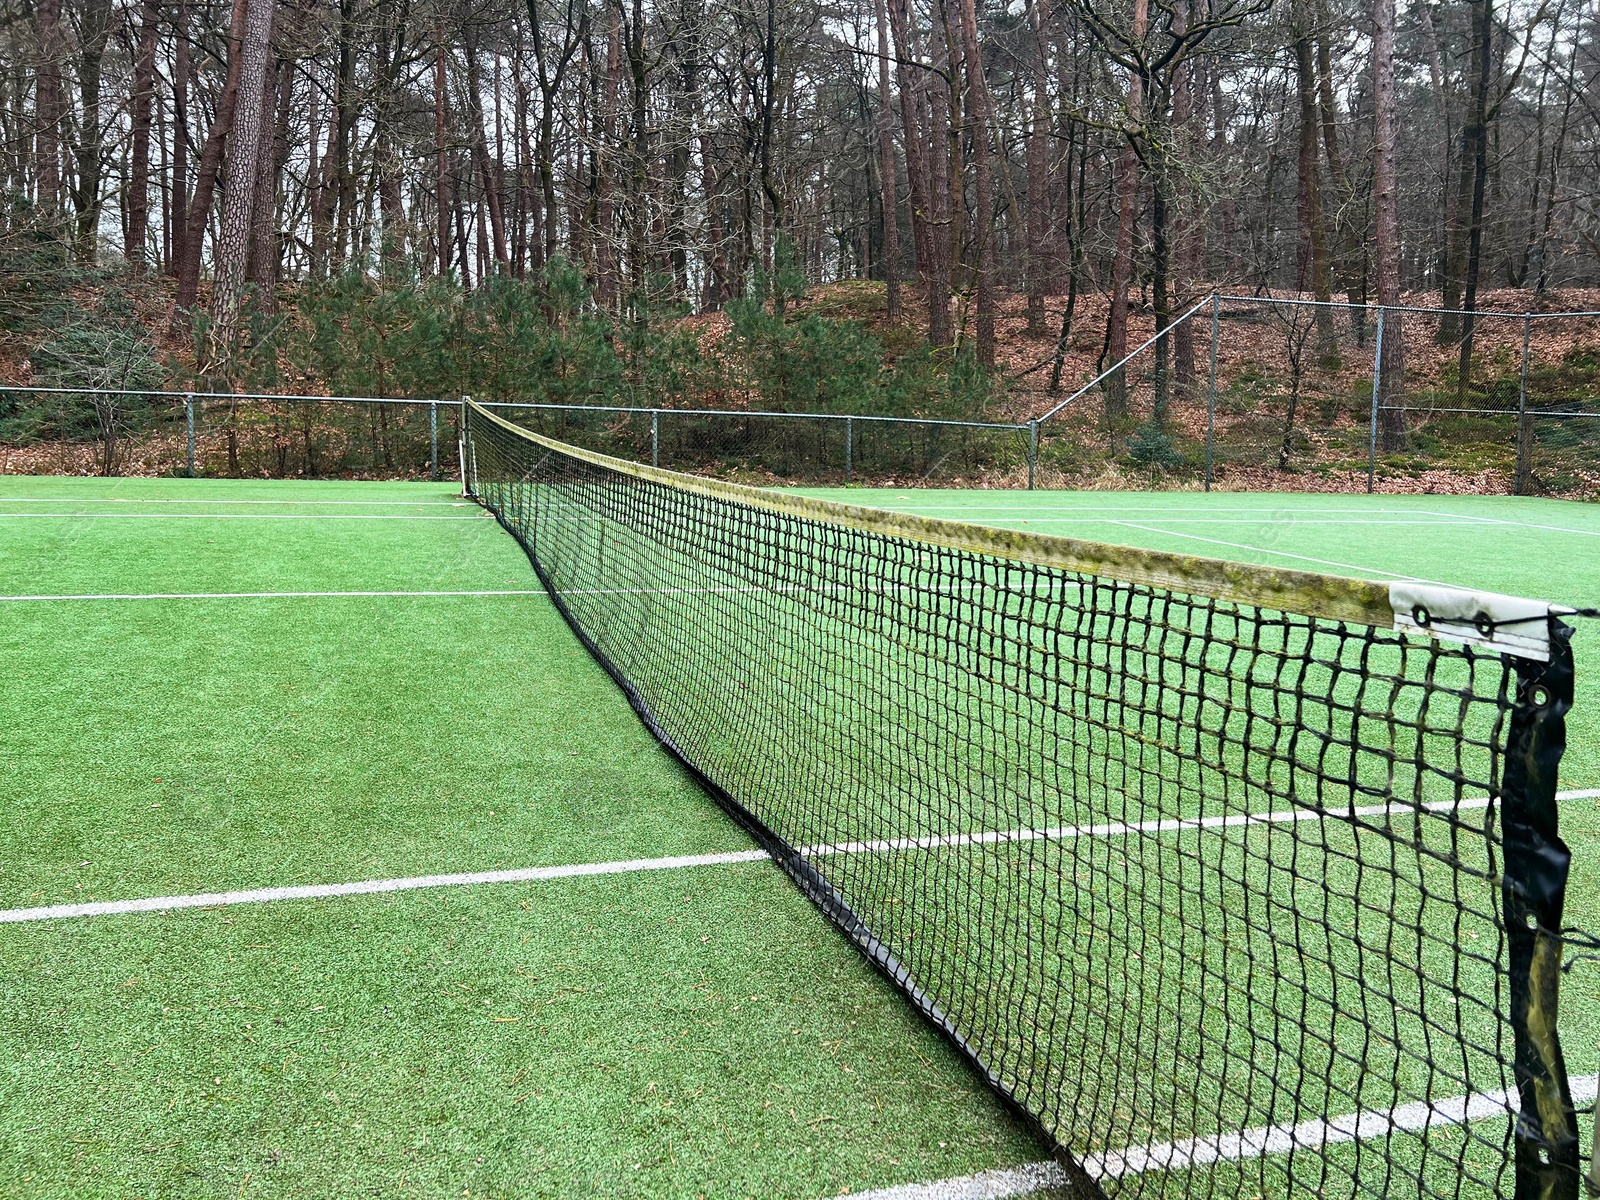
{"points": [[919, 104], [94, 32], [179, 200], [1038, 232], [441, 165], [210, 165], [49, 112], [886, 168], [1483, 32], [480, 148], [144, 84], [244, 159], [276, 106], [982, 150], [1386, 211], [1313, 256], [1115, 389]]}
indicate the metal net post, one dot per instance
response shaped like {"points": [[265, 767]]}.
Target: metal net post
{"points": [[188, 418], [433, 439]]}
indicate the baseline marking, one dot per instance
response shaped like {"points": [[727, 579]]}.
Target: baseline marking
{"points": [[257, 595], [103, 908], [1417, 1117]]}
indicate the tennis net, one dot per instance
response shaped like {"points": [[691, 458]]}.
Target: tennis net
{"points": [[1230, 880]]}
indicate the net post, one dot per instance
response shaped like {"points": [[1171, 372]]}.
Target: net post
{"points": [[1211, 394], [1592, 1179], [188, 420], [1033, 451], [1377, 383], [461, 446], [1524, 432], [849, 449], [1533, 890], [655, 437], [433, 440]]}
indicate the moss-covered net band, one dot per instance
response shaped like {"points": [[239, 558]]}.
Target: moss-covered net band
{"points": [[1228, 898]]}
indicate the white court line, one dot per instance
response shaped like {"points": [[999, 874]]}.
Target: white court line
{"points": [[1417, 1117], [369, 887], [1323, 562], [128, 516], [102, 908], [275, 503], [1279, 511], [1531, 525], [1296, 521], [256, 595]]}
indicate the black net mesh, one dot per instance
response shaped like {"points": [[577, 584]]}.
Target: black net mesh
{"points": [[1213, 893]]}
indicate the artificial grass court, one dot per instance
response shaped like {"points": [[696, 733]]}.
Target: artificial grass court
{"points": [[674, 1032]]}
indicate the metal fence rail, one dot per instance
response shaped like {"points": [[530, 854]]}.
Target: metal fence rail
{"points": [[855, 428]]}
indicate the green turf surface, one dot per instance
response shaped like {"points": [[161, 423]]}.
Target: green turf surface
{"points": [[167, 746], [180, 745]]}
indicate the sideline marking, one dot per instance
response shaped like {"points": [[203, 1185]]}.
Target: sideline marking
{"points": [[102, 908], [257, 595], [1419, 1116]]}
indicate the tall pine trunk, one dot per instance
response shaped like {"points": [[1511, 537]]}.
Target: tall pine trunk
{"points": [[886, 168], [210, 167], [144, 86], [983, 200], [239, 194], [1386, 212]]}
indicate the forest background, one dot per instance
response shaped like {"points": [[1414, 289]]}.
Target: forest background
{"points": [[909, 207]]}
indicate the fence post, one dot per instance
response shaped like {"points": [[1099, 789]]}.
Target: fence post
{"points": [[433, 439], [849, 449], [1377, 381], [468, 481], [188, 418], [655, 437], [1211, 395], [1519, 484], [1033, 451]]}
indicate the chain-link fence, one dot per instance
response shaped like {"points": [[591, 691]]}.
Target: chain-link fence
{"points": [[108, 432], [1266, 393], [821, 449]]}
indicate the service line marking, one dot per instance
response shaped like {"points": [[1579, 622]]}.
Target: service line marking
{"points": [[106, 908], [1419, 1117], [167, 516], [284, 503], [370, 887]]}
